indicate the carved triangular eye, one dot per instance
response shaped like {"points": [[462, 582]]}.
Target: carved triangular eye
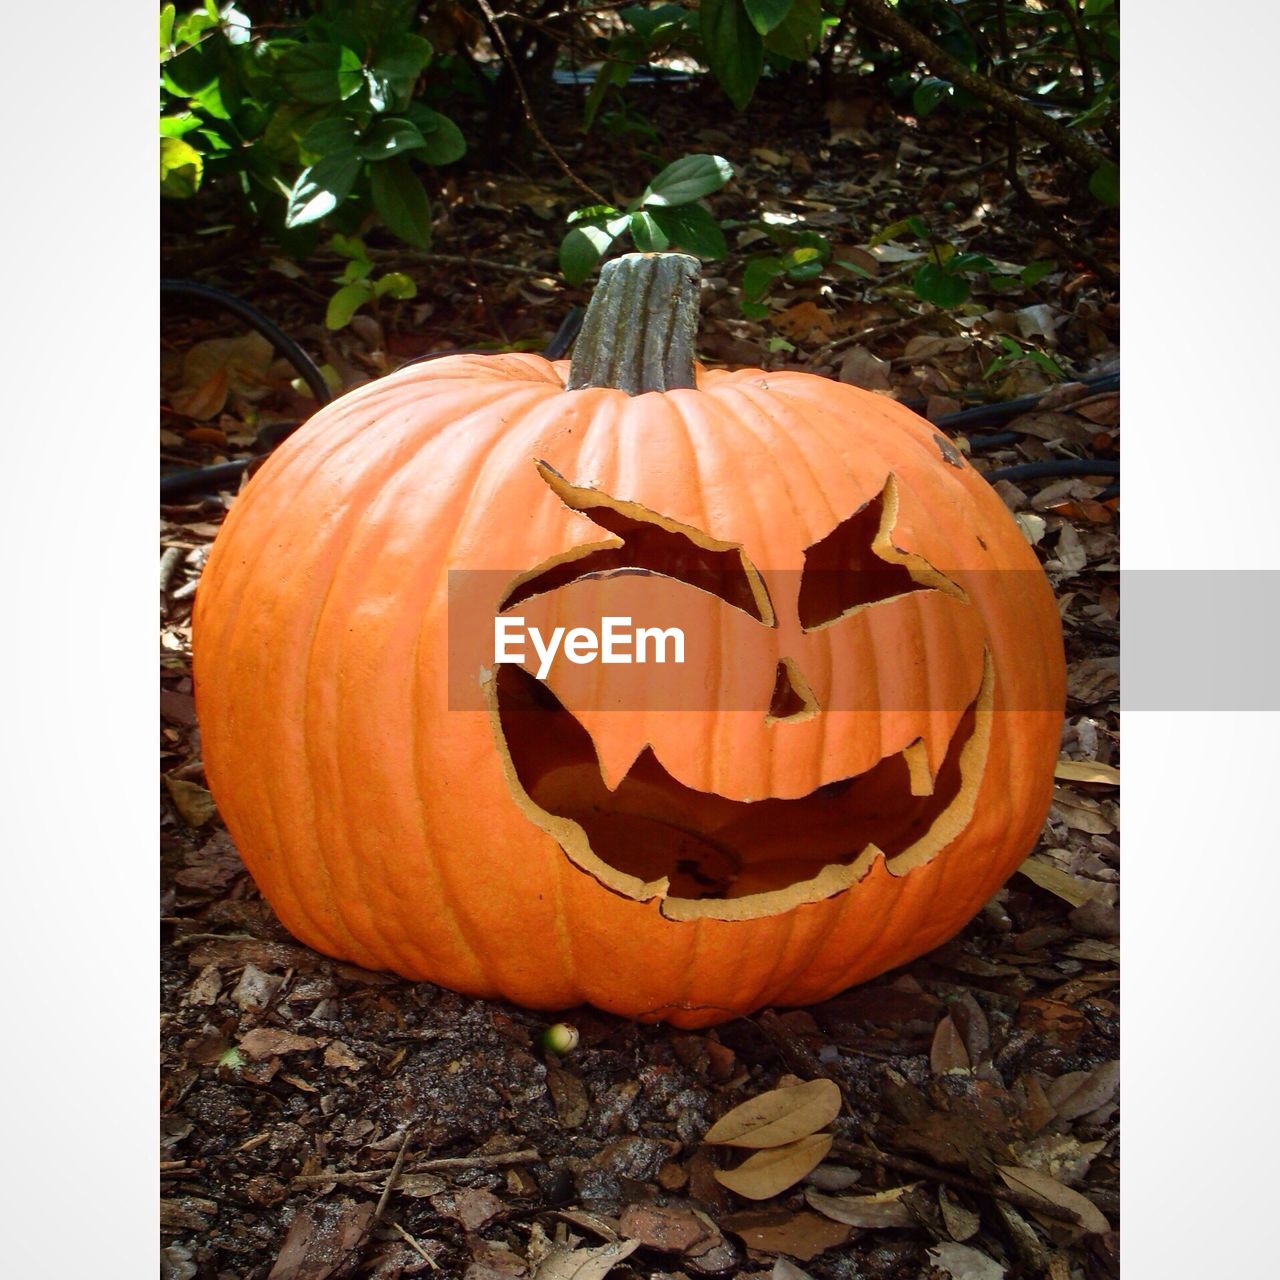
{"points": [[843, 571], [650, 544], [792, 699]]}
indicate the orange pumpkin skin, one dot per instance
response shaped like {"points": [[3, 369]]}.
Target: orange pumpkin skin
{"points": [[382, 826]]}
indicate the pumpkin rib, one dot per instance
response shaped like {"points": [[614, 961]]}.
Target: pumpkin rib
{"points": [[472, 931], [298, 898], [348, 872]]}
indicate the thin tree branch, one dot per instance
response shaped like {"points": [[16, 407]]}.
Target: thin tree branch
{"points": [[1047, 224], [877, 15], [518, 80], [1068, 8]]}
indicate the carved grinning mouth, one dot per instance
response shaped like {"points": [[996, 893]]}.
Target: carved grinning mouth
{"points": [[704, 854]]}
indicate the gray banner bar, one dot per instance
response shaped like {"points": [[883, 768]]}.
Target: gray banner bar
{"points": [[1200, 640]]}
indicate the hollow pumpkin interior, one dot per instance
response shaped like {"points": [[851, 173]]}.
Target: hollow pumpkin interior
{"points": [[706, 849]]}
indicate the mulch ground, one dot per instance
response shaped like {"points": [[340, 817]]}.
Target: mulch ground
{"points": [[321, 1120]]}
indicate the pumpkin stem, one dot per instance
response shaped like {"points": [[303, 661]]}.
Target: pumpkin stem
{"points": [[639, 330]]}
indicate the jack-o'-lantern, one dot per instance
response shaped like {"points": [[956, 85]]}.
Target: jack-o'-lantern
{"points": [[853, 750]]}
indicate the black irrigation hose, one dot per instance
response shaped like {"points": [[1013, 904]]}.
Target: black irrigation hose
{"points": [[180, 484], [191, 480], [285, 345], [1057, 469], [1004, 410]]}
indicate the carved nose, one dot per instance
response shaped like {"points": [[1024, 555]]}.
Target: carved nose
{"points": [[792, 698]]}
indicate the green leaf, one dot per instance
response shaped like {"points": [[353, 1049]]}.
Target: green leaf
{"points": [[397, 62], [780, 344], [389, 137], [320, 72], [759, 275], [581, 249], [176, 126], [754, 310], [591, 213], [799, 33], [189, 29], [766, 14], [913, 224], [345, 303], [329, 134], [356, 269], [650, 22], [612, 73], [167, 13], [401, 200], [443, 142], [855, 268], [687, 179], [1034, 272], [649, 237], [349, 247], [1104, 183], [933, 284], [691, 228], [396, 285], [970, 262], [801, 256], [735, 52], [805, 271], [320, 188], [928, 93], [181, 168]]}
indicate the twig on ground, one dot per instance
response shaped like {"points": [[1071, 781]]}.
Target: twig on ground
{"points": [[523, 93], [423, 1166], [489, 264], [415, 1246], [904, 1164], [866, 335], [391, 1180]]}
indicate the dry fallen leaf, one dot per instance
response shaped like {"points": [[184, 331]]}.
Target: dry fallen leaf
{"points": [[779, 1116], [266, 1042], [191, 800], [1059, 1155], [1033, 526], [1068, 887], [961, 1262], [1050, 1189], [1087, 771], [883, 1209], [585, 1264], [948, 1052], [1080, 1092], [861, 368], [784, 1269], [961, 1222], [767, 1173], [322, 1239], [801, 1235], [212, 369], [803, 322], [1081, 812]]}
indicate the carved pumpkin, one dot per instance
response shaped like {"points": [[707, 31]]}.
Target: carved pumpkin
{"points": [[855, 752]]}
